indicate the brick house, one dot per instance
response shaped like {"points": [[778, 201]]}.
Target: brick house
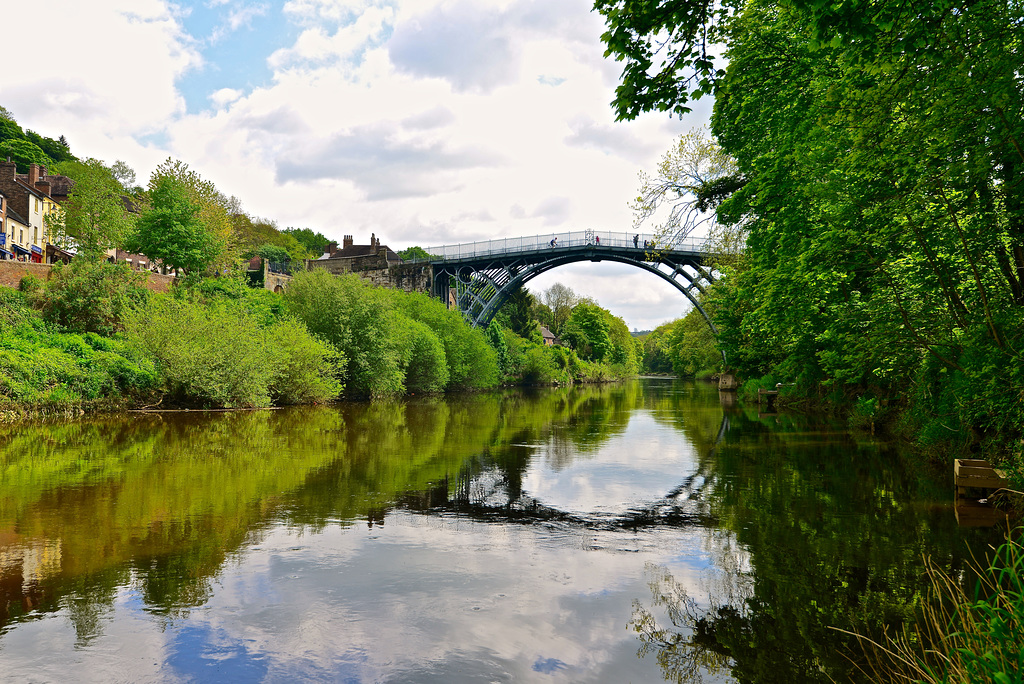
{"points": [[31, 197]]}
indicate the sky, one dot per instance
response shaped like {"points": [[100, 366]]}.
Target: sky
{"points": [[424, 122]]}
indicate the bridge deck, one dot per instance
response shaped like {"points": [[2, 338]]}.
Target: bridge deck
{"points": [[576, 240]]}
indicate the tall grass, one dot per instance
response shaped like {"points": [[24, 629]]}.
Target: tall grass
{"points": [[962, 636]]}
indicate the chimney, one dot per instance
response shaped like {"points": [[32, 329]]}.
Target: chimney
{"points": [[33, 174], [373, 242], [330, 248], [43, 187], [8, 169], [346, 242]]}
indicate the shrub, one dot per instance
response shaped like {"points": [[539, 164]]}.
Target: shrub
{"points": [[218, 354], [90, 296], [209, 355], [423, 357], [306, 369], [357, 319]]}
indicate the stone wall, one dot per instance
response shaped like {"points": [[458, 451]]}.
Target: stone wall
{"points": [[11, 273], [407, 277], [275, 282]]}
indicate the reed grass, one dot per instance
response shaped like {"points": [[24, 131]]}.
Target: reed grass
{"points": [[973, 634]]}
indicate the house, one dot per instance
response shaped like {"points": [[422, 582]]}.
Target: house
{"points": [[549, 337], [5, 253], [29, 196], [352, 251], [355, 258], [15, 231]]}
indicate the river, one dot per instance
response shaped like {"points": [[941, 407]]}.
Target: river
{"points": [[635, 532]]}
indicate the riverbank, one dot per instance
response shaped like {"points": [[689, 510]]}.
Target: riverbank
{"points": [[93, 338]]}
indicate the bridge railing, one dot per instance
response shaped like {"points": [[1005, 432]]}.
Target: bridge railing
{"points": [[597, 238]]}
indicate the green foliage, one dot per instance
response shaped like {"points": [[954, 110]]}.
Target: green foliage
{"points": [[423, 358], [44, 369], [313, 241], [251, 237], [496, 339], [883, 206], [273, 254], [24, 153], [57, 150], [586, 331], [216, 353], [391, 338], [305, 369], [94, 217], [172, 230], [471, 361], [91, 296], [520, 313], [415, 252]]}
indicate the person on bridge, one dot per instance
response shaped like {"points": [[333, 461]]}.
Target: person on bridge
{"points": [[636, 239], [554, 242], [597, 239]]}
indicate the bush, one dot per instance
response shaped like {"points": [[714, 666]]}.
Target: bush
{"points": [[216, 354], [45, 369], [423, 357], [395, 341], [470, 360], [89, 296], [305, 368]]}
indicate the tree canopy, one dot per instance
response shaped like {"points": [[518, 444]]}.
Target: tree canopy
{"points": [[172, 230], [94, 218], [882, 150]]}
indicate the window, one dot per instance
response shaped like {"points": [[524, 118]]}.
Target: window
{"points": [[37, 205]]}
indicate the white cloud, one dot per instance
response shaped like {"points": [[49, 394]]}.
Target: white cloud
{"points": [[225, 96], [426, 121], [237, 18]]}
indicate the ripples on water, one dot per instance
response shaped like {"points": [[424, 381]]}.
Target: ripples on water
{"points": [[634, 532]]}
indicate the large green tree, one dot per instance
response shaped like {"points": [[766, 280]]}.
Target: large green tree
{"points": [[881, 145], [94, 218], [172, 231]]}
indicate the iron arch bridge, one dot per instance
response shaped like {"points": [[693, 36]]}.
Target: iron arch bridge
{"points": [[479, 277]]}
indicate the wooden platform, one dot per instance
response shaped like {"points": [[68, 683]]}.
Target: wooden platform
{"points": [[977, 473], [970, 513]]}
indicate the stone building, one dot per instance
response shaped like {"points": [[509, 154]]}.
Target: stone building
{"points": [[375, 262]]}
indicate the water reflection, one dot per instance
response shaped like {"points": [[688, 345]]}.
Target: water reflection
{"points": [[504, 536]]}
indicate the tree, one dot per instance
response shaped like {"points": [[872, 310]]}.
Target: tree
{"points": [[94, 217], [668, 48], [691, 180], [586, 331], [415, 252], [520, 315], [883, 154], [53, 149], [24, 153], [273, 254], [213, 207], [124, 174], [560, 299], [313, 241], [171, 230]]}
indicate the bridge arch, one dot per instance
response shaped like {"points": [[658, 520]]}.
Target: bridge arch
{"points": [[480, 277]]}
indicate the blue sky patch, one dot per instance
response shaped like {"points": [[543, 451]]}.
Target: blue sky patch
{"points": [[234, 40]]}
